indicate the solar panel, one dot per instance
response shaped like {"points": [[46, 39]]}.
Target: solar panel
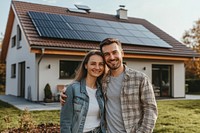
{"points": [[92, 28], [110, 31], [78, 27], [115, 24], [87, 21], [150, 35], [55, 17], [129, 26], [133, 39], [43, 23], [69, 34], [61, 25], [48, 32], [102, 23], [89, 36], [88, 29], [137, 33], [101, 36], [71, 19], [38, 15], [123, 32], [140, 27], [148, 41]]}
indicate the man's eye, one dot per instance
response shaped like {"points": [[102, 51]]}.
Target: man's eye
{"points": [[114, 52], [93, 64], [105, 54]]}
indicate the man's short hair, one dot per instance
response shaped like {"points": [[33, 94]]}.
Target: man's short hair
{"points": [[109, 41]]}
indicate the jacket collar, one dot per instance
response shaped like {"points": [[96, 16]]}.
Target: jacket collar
{"points": [[83, 86]]}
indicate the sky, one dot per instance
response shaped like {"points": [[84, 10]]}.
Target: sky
{"points": [[172, 16]]}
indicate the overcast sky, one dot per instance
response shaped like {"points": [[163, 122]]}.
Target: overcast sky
{"points": [[172, 16]]}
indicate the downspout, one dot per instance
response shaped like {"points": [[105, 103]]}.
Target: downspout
{"points": [[41, 56]]}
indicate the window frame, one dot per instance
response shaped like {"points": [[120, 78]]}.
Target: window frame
{"points": [[13, 71], [13, 41], [72, 65], [19, 36]]}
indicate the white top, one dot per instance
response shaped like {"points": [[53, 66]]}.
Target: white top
{"points": [[93, 116]]}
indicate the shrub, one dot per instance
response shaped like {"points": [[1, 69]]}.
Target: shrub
{"points": [[47, 92]]}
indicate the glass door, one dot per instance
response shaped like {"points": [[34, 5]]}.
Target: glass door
{"points": [[161, 80]]}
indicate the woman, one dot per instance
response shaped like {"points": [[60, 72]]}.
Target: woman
{"points": [[83, 111]]}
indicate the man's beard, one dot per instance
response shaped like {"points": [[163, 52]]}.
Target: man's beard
{"points": [[113, 67]]}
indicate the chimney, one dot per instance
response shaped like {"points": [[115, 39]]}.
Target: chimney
{"points": [[122, 12]]}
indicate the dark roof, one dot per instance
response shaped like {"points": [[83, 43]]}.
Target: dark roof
{"points": [[35, 40]]}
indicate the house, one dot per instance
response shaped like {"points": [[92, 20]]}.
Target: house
{"points": [[45, 44]]}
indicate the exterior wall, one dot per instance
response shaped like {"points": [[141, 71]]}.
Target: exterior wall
{"points": [[178, 73], [51, 75], [14, 56], [179, 80]]}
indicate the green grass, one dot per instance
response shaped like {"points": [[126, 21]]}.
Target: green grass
{"points": [[175, 116], [14, 114], [178, 116]]}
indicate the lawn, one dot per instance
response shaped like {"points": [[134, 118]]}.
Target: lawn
{"points": [[13, 116], [178, 116], [175, 116]]}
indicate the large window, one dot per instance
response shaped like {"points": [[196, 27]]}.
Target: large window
{"points": [[13, 70], [68, 69]]}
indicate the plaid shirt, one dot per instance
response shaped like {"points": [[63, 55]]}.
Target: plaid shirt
{"points": [[139, 108]]}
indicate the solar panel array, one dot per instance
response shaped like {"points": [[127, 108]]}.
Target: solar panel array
{"points": [[88, 29]]}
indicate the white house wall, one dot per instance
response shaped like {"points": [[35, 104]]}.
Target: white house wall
{"points": [[51, 75], [178, 73], [179, 80], [14, 56]]}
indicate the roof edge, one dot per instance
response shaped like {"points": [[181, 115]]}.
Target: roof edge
{"points": [[7, 35]]}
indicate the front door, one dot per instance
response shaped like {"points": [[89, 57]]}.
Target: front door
{"points": [[21, 79], [161, 80]]}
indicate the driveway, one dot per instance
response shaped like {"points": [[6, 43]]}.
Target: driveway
{"points": [[22, 103]]}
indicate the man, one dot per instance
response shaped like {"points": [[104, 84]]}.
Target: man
{"points": [[129, 98]]}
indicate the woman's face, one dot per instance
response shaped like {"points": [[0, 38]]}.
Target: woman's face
{"points": [[95, 66]]}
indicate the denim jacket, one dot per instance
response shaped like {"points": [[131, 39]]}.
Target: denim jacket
{"points": [[74, 111]]}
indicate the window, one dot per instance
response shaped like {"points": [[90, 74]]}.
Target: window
{"points": [[13, 41], [68, 69], [13, 70], [19, 36]]}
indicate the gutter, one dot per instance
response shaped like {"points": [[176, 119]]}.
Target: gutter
{"points": [[38, 81], [60, 48]]}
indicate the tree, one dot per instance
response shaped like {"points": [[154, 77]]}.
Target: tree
{"points": [[191, 38], [2, 77], [2, 70]]}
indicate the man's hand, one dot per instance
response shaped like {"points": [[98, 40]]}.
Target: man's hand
{"points": [[62, 98]]}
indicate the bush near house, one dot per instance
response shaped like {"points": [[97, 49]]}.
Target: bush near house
{"points": [[47, 93], [193, 85]]}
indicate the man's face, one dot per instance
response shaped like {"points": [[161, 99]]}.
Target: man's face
{"points": [[113, 55]]}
